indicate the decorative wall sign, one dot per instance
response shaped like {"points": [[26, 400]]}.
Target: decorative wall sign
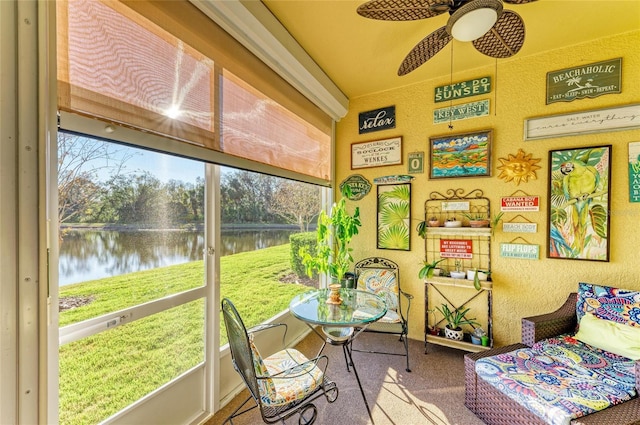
{"points": [[416, 163], [376, 120], [518, 168], [462, 89], [592, 80], [461, 112], [520, 250], [456, 248], [585, 122], [519, 227], [398, 178], [461, 155], [394, 216], [359, 186], [520, 203], [376, 154], [579, 192], [455, 206], [634, 172]]}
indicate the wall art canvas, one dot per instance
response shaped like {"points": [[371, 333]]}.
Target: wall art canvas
{"points": [[579, 201], [461, 155], [394, 216]]}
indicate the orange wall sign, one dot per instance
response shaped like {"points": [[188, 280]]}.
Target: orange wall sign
{"points": [[456, 248]]}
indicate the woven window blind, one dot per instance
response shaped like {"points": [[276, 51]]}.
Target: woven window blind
{"points": [[166, 68]]}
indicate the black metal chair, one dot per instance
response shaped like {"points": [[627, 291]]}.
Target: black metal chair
{"points": [[382, 277], [281, 385]]}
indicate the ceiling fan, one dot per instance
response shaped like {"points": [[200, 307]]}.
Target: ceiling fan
{"points": [[494, 31]]}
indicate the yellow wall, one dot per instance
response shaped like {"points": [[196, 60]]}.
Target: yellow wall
{"points": [[521, 287]]}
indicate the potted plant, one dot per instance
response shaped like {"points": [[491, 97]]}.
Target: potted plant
{"points": [[433, 221], [452, 222], [455, 319], [477, 219], [457, 273], [478, 276], [333, 238], [428, 269]]}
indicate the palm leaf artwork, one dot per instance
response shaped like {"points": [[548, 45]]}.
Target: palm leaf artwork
{"points": [[393, 237], [394, 216]]}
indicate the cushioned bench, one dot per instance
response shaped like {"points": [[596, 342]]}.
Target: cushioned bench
{"points": [[553, 379]]}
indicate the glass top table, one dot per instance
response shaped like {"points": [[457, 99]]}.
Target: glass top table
{"points": [[358, 308]]}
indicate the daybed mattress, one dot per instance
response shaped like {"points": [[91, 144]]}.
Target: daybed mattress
{"points": [[560, 379]]}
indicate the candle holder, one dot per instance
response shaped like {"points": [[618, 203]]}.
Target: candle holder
{"points": [[334, 295]]}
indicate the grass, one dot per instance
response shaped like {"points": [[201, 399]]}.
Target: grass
{"points": [[104, 373]]}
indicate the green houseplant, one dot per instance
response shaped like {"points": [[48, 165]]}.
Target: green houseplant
{"points": [[427, 268], [455, 319], [333, 238]]}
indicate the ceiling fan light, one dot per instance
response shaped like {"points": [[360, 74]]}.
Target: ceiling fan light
{"points": [[473, 19], [474, 24]]}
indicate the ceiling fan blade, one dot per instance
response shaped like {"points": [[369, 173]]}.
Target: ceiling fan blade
{"points": [[504, 39], [518, 1], [400, 10], [424, 50]]}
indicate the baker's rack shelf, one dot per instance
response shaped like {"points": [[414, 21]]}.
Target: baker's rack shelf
{"points": [[458, 292]]}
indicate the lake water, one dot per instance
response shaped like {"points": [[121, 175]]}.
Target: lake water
{"points": [[90, 254]]}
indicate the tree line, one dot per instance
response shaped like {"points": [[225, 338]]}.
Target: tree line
{"points": [[140, 198]]}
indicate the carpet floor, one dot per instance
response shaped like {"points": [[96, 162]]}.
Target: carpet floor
{"points": [[432, 393]]}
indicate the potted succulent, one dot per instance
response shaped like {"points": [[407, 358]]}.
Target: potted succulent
{"points": [[333, 238], [433, 221], [455, 319], [477, 219], [453, 222]]}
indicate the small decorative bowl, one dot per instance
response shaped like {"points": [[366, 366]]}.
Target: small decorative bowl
{"points": [[457, 275], [456, 223]]}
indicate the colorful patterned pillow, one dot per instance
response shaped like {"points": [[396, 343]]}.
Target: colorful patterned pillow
{"points": [[265, 386], [381, 282], [608, 303]]}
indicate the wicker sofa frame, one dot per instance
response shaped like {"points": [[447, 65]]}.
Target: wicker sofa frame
{"points": [[495, 408]]}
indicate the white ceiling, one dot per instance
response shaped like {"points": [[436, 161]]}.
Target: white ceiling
{"points": [[362, 56]]}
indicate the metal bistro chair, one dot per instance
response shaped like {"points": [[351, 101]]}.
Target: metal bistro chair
{"points": [[282, 384], [382, 277]]}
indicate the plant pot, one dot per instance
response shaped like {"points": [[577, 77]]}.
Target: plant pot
{"points": [[457, 275], [455, 223], [436, 272], [433, 330], [349, 282], [482, 275], [479, 223], [434, 223], [455, 334]]}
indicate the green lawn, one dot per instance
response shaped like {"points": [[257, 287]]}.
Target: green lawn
{"points": [[102, 374]]}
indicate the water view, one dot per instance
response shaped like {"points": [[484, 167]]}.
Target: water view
{"points": [[92, 254]]}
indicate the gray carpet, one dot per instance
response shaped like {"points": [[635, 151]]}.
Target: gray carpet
{"points": [[432, 393]]}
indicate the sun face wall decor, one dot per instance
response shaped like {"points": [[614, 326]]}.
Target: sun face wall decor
{"points": [[518, 168]]}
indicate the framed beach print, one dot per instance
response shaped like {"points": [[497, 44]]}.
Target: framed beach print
{"points": [[579, 201], [394, 216], [460, 155]]}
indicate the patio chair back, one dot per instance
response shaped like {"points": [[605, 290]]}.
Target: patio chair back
{"points": [[382, 277], [240, 347]]}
